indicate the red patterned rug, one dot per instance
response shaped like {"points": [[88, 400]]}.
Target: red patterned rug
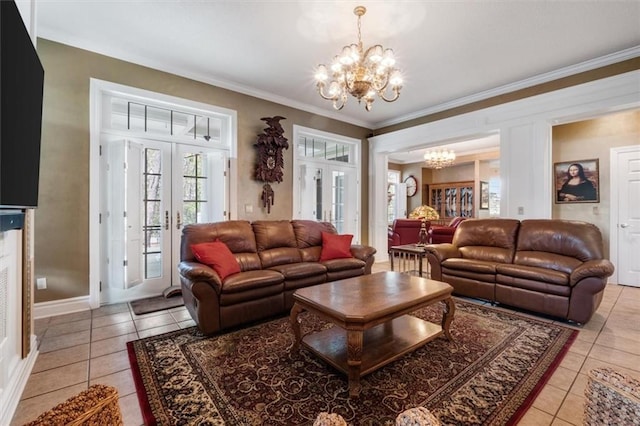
{"points": [[489, 375]]}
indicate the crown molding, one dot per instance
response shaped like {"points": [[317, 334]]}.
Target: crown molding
{"points": [[208, 79], [589, 65], [120, 54]]}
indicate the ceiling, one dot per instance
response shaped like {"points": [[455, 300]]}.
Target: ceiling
{"points": [[450, 52]]}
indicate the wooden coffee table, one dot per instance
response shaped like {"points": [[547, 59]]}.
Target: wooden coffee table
{"points": [[371, 314]]}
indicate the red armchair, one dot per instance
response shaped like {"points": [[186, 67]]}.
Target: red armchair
{"points": [[405, 231], [444, 233]]}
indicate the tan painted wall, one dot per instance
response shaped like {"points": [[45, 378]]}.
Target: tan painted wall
{"points": [[61, 220], [415, 170], [590, 139]]}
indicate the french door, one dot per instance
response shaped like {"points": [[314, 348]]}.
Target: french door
{"points": [[153, 189], [328, 193]]}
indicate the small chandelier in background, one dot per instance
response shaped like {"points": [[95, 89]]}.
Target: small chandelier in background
{"points": [[440, 158], [361, 73]]}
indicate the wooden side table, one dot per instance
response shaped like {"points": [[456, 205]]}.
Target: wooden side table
{"points": [[409, 256]]}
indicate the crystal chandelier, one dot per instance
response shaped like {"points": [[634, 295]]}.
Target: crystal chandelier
{"points": [[361, 73], [440, 158]]}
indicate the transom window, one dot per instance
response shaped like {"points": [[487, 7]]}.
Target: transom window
{"points": [[311, 147], [153, 119]]}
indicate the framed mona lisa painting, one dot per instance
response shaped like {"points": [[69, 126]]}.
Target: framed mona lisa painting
{"points": [[577, 181]]}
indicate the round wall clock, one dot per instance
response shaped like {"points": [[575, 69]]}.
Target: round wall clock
{"points": [[412, 186]]}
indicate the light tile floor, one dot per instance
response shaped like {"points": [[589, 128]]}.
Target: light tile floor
{"points": [[81, 349]]}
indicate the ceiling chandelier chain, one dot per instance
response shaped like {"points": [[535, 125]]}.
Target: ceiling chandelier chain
{"points": [[360, 73], [439, 158]]}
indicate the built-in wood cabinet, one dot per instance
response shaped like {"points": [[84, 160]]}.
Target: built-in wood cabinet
{"points": [[452, 199]]}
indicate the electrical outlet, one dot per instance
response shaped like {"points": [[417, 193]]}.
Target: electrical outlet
{"points": [[520, 210], [41, 283]]}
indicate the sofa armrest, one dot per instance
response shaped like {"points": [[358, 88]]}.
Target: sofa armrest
{"points": [[601, 268], [195, 271], [443, 251], [362, 252]]}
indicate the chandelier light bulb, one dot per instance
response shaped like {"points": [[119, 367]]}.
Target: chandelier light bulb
{"points": [[321, 73], [388, 60], [334, 88], [376, 54], [361, 73], [396, 79]]}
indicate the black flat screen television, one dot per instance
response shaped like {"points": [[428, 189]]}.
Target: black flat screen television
{"points": [[21, 89]]}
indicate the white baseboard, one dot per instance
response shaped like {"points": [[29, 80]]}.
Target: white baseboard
{"points": [[61, 307], [10, 396]]}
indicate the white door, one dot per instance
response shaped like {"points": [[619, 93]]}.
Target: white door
{"points": [[160, 187], [627, 226], [329, 193], [200, 192], [122, 218], [401, 200]]}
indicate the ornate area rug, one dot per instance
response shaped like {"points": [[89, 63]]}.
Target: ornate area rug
{"points": [[490, 374]]}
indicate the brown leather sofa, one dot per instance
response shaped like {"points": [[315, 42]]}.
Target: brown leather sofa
{"points": [[553, 267], [275, 258]]}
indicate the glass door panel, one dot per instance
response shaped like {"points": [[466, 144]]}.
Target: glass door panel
{"points": [[200, 194], [328, 193], [155, 218], [162, 187]]}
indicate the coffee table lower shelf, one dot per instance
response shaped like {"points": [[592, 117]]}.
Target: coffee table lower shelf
{"points": [[382, 344]]}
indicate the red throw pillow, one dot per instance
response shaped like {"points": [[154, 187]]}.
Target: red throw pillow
{"points": [[218, 256], [335, 246]]}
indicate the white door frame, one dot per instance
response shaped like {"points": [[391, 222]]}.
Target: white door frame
{"points": [[613, 208], [357, 165], [97, 90]]}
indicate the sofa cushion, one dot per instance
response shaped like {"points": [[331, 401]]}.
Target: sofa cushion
{"points": [[279, 256], [309, 232], [544, 275], [343, 264], [274, 234], [276, 242], [293, 271], [487, 239], [250, 280], [476, 270], [335, 246], [479, 266], [546, 260], [515, 283], [487, 254], [236, 234], [580, 240], [217, 255]]}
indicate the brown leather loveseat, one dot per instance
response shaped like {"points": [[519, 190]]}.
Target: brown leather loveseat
{"points": [[275, 258], [553, 267]]}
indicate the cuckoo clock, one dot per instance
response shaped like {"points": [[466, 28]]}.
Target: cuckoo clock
{"points": [[270, 160]]}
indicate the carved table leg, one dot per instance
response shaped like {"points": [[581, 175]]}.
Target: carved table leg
{"points": [[354, 359], [295, 325], [447, 316]]}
